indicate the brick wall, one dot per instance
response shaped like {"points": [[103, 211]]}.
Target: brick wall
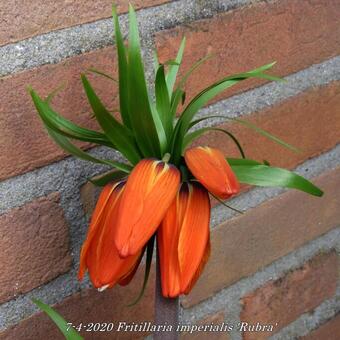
{"points": [[277, 264]]}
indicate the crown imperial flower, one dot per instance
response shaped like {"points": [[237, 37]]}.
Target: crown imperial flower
{"points": [[156, 193], [211, 168]]}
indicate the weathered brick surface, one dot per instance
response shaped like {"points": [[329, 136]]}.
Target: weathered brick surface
{"points": [[216, 319], [246, 243], [282, 301], [328, 331], [296, 34], [92, 306], [24, 19], [24, 143], [34, 246]]}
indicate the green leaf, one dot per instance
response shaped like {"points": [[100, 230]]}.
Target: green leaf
{"points": [[122, 72], [65, 127], [173, 69], [265, 133], [66, 145], [263, 175], [190, 137], [68, 331], [195, 122], [149, 253], [145, 122], [171, 62], [54, 93], [117, 133], [202, 99], [225, 204], [163, 101], [179, 95], [251, 126], [101, 73], [242, 161], [103, 179]]}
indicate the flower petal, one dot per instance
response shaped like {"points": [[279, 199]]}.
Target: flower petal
{"points": [[211, 168], [99, 254], [150, 189], [107, 195], [200, 268], [194, 233], [183, 240]]}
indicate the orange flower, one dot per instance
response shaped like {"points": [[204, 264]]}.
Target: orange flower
{"points": [[149, 191], [99, 254], [211, 168], [183, 240]]}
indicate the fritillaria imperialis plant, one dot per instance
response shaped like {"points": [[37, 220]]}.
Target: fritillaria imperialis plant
{"points": [[162, 190]]}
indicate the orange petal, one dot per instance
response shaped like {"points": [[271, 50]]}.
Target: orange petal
{"points": [[108, 194], [200, 268], [99, 254], [167, 241], [194, 233], [149, 191], [211, 168], [183, 238]]}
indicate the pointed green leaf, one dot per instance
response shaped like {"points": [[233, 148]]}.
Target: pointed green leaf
{"points": [[195, 122], [103, 179], [148, 262], [66, 328], [54, 93], [117, 133], [190, 137], [173, 69], [146, 123], [66, 145], [101, 73], [123, 72], [263, 175], [163, 101], [242, 161], [202, 99], [265, 133], [65, 127], [171, 62], [226, 205]]}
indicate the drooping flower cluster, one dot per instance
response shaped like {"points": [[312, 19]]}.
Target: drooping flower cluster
{"points": [[153, 199], [160, 191]]}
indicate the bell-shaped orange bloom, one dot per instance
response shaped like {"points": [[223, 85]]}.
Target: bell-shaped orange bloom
{"points": [[99, 254], [183, 240], [149, 191], [211, 168]]}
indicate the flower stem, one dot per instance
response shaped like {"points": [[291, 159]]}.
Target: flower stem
{"points": [[166, 157], [166, 310]]}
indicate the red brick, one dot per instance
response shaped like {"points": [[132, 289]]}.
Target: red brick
{"points": [[216, 319], [34, 246], [328, 331], [247, 243], [296, 34], [282, 301], [25, 19], [24, 142], [92, 306]]}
